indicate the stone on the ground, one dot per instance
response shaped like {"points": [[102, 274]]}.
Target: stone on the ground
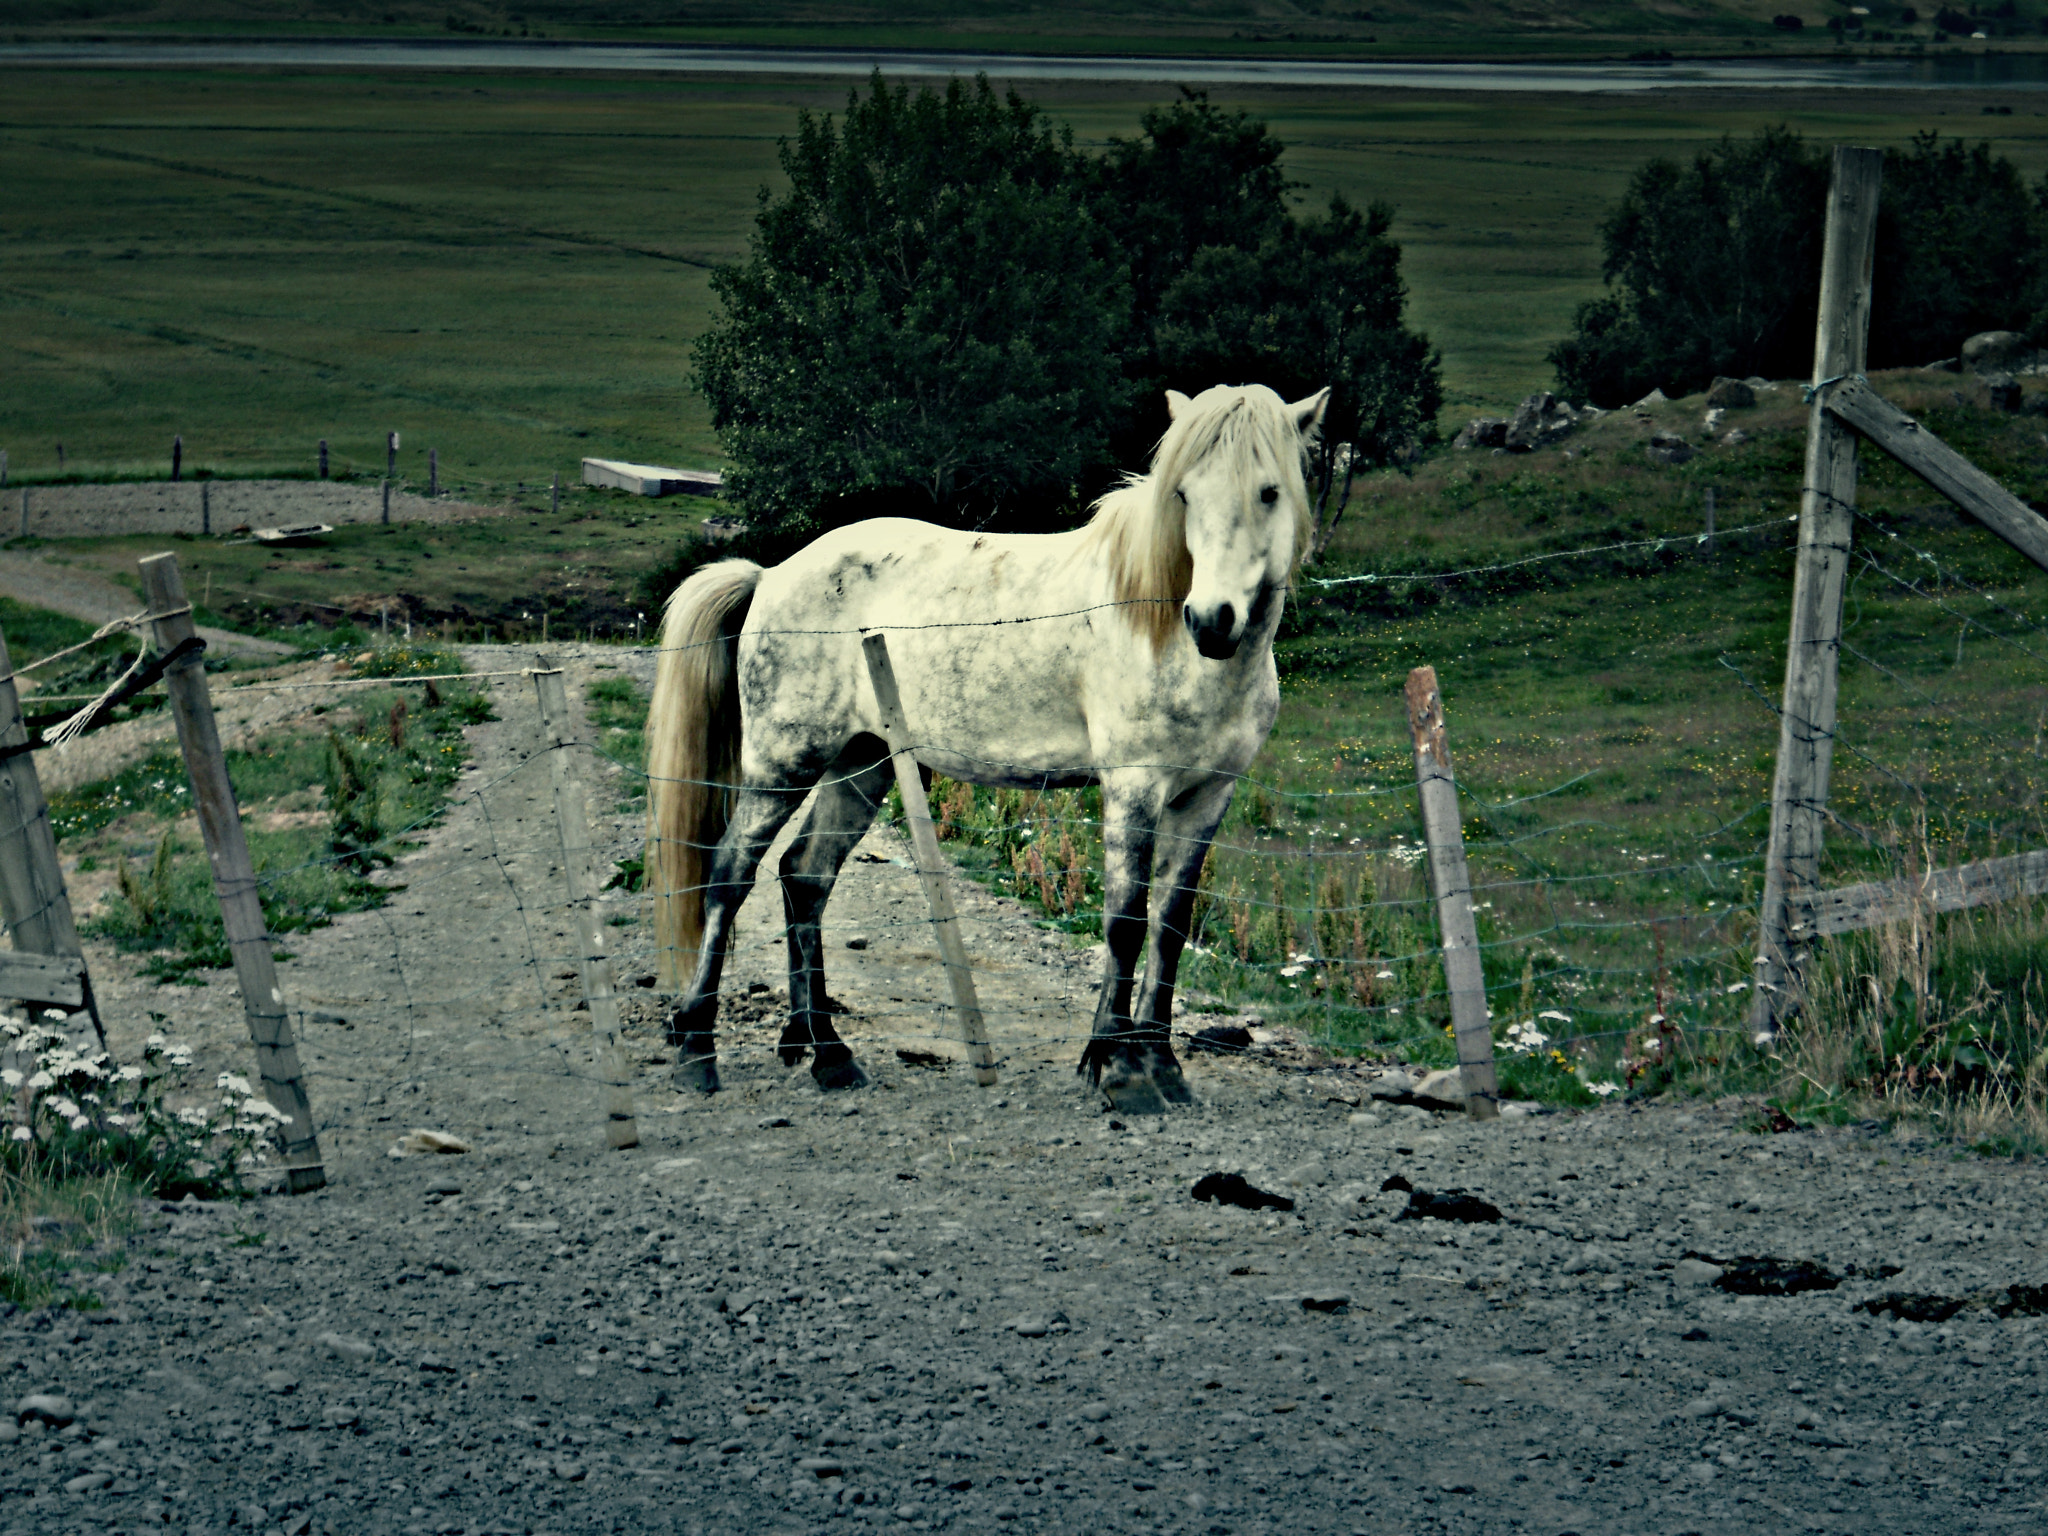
{"points": [[2001, 391], [1539, 421], [418, 1143], [1730, 395], [1996, 352], [1482, 432], [339, 1346], [1695, 1272], [53, 1410], [1654, 397], [1668, 448], [1441, 1089]]}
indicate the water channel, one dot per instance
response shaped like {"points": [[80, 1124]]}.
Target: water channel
{"points": [[1961, 70]]}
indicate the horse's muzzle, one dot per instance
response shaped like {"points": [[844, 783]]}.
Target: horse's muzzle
{"points": [[1213, 637]]}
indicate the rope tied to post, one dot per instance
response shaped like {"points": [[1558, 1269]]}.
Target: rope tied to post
{"points": [[1809, 392]]}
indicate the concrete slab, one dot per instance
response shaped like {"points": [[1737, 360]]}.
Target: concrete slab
{"points": [[651, 479]]}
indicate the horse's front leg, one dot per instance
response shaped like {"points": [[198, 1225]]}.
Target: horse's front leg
{"points": [[1115, 1059], [1185, 831]]}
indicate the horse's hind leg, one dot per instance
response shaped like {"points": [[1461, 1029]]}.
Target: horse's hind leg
{"points": [[846, 802], [757, 815]]}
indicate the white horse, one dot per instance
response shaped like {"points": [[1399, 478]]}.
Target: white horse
{"points": [[1135, 653]]}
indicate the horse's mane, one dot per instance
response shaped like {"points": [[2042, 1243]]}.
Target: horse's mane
{"points": [[1142, 524]]}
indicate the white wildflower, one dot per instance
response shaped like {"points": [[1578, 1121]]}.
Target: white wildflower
{"points": [[233, 1084], [10, 1076], [1552, 1013], [1602, 1090]]}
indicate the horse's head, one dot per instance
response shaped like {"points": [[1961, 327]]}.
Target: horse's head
{"points": [[1231, 465]]}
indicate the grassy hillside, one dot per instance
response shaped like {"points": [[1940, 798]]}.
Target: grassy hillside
{"points": [[1387, 28], [510, 269]]}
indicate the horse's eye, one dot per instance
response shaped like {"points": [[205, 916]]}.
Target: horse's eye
{"points": [[1270, 494]]}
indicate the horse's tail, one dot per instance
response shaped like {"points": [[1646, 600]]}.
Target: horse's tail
{"points": [[693, 751]]}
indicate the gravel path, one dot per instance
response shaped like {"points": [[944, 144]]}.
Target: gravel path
{"points": [[931, 1307], [87, 595], [98, 511]]}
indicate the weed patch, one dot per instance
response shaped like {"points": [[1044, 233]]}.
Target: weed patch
{"points": [[385, 760]]}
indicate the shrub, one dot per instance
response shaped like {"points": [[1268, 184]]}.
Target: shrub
{"points": [[86, 1118], [1714, 267], [921, 324]]}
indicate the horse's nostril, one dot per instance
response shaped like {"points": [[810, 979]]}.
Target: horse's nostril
{"points": [[1187, 614], [1226, 619]]}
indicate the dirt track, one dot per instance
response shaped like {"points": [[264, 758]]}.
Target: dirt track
{"points": [[926, 1306]]}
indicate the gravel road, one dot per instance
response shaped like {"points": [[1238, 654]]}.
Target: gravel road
{"points": [[928, 1306]]}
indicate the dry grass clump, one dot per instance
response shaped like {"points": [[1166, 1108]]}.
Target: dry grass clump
{"points": [[1941, 1020], [52, 1227]]}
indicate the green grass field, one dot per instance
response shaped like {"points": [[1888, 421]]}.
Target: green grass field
{"points": [[511, 269]]}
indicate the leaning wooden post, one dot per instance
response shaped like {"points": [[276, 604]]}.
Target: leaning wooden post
{"points": [[32, 894], [1451, 880], [557, 739], [931, 865], [1806, 722], [234, 875]]}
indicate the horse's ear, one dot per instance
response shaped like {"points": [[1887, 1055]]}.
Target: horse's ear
{"points": [[1308, 414], [1176, 402]]}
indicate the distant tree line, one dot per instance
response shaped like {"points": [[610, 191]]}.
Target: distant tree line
{"points": [[953, 313], [1713, 267]]}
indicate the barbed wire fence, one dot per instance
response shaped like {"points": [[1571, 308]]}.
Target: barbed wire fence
{"points": [[1609, 943]]}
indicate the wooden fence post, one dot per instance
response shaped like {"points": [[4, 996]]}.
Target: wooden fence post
{"points": [[1451, 881], [1806, 722], [386, 519], [206, 506], [558, 737], [32, 894], [323, 458], [1708, 499], [555, 496], [931, 864], [433, 472], [24, 511], [234, 876]]}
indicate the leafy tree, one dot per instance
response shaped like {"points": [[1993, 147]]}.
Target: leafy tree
{"points": [[950, 313], [1959, 250], [1196, 179], [922, 320], [1715, 267], [1318, 302]]}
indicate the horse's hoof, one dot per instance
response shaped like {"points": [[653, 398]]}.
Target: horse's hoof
{"points": [[792, 1055], [843, 1075], [698, 1073], [1171, 1082], [1133, 1095]]}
